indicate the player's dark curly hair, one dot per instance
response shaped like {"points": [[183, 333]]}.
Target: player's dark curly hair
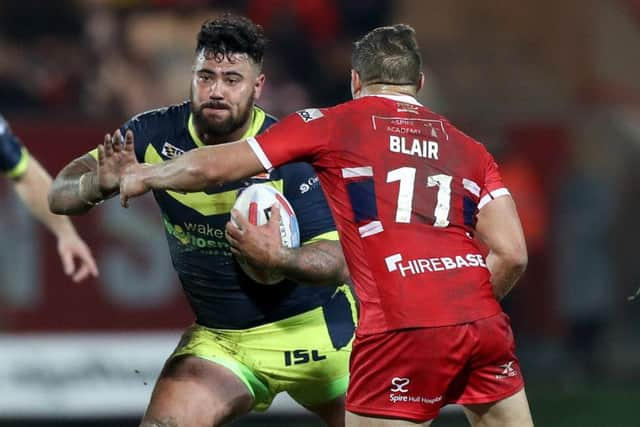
{"points": [[388, 55], [230, 34]]}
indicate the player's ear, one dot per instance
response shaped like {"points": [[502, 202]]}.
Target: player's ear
{"points": [[356, 84], [260, 80], [420, 81]]}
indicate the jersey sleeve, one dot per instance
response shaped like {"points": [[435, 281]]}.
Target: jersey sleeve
{"points": [[301, 136], [14, 158], [302, 189], [493, 186]]}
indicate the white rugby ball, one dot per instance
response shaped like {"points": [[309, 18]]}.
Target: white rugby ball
{"points": [[254, 203]]}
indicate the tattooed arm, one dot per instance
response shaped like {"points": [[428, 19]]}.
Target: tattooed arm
{"points": [[317, 263]]}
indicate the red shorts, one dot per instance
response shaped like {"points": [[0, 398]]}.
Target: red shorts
{"points": [[412, 373]]}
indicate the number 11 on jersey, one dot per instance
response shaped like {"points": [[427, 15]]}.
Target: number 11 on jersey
{"points": [[407, 178]]}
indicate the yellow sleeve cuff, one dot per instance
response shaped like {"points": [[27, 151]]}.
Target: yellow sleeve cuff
{"points": [[21, 167]]}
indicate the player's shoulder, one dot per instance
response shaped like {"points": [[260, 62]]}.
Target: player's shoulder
{"points": [[7, 138], [308, 115], [267, 119], [161, 119], [4, 126], [462, 137], [321, 115]]}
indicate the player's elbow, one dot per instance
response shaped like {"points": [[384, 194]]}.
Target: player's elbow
{"points": [[210, 174], [55, 206], [215, 170], [517, 260], [60, 206]]}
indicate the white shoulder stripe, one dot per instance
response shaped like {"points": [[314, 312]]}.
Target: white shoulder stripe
{"points": [[493, 195]]}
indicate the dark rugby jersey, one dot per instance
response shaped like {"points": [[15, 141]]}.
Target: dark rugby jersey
{"points": [[13, 156], [221, 295]]}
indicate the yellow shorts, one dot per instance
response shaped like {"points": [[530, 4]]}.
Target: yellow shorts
{"points": [[306, 355]]}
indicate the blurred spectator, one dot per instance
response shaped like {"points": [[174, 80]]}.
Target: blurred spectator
{"points": [[122, 80], [317, 21], [586, 210], [110, 58], [46, 66], [531, 166]]}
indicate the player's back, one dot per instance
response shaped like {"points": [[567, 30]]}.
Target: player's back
{"points": [[406, 186]]}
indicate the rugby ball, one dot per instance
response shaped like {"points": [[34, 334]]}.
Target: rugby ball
{"points": [[255, 203]]}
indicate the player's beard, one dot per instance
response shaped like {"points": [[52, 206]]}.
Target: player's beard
{"points": [[221, 128]]}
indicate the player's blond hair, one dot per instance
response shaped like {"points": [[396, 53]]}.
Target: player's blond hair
{"points": [[388, 55]]}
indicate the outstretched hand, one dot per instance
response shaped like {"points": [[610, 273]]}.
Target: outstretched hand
{"points": [[112, 160], [260, 245], [131, 181], [117, 165]]}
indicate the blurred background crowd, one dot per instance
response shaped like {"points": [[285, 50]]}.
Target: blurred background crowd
{"points": [[550, 87]]}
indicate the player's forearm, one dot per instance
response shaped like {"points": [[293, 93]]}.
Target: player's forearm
{"points": [[32, 190], [199, 169], [318, 263], [76, 189], [187, 173], [71, 196], [505, 271]]}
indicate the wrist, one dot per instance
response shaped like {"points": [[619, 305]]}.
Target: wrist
{"points": [[64, 229], [282, 260]]}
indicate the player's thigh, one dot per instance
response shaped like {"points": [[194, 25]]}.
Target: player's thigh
{"points": [[355, 420], [196, 392], [316, 348], [493, 371], [508, 412]]}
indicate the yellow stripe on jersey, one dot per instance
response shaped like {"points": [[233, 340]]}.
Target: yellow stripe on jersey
{"points": [[203, 203], [329, 235], [21, 167], [257, 120], [94, 153]]}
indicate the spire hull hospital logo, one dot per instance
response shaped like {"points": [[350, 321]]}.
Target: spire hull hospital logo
{"points": [[399, 393]]}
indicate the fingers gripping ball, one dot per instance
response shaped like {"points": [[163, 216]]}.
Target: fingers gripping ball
{"points": [[255, 203]]}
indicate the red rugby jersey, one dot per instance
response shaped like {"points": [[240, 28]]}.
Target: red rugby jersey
{"points": [[404, 186]]}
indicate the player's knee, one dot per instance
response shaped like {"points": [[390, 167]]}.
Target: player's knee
{"points": [[231, 409]]}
